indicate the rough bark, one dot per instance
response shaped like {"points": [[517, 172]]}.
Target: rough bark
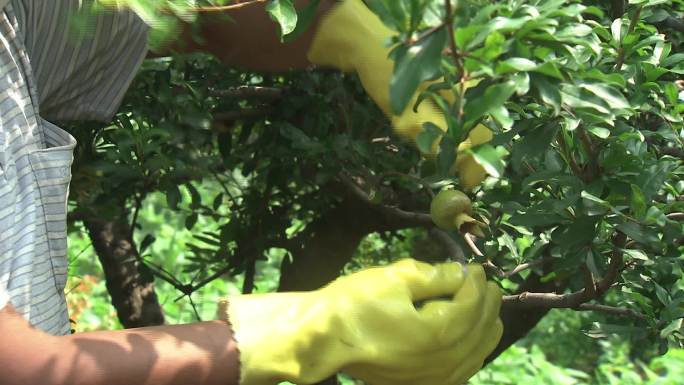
{"points": [[320, 252], [517, 320], [129, 283]]}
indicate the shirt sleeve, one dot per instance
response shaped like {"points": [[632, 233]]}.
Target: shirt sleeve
{"points": [[82, 65], [4, 298]]}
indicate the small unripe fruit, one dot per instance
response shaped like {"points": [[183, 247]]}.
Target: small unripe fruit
{"points": [[451, 210]]}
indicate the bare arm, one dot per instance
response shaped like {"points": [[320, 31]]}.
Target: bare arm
{"points": [[201, 354], [246, 37]]}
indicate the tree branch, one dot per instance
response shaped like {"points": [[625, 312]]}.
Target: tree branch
{"points": [[619, 311], [574, 300], [245, 92], [410, 218]]}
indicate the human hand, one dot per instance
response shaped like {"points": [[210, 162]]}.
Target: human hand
{"points": [[385, 325]]}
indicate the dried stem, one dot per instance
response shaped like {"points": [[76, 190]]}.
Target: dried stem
{"points": [[471, 243]]}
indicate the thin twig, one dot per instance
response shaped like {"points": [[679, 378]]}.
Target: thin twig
{"points": [[675, 216], [523, 267], [499, 272], [549, 300], [469, 241], [136, 211], [619, 311], [194, 308], [231, 7]]}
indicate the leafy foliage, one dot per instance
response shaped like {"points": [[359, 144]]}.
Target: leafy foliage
{"points": [[585, 188]]}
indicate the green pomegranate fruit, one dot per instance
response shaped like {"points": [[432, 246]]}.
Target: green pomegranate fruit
{"points": [[451, 210]]}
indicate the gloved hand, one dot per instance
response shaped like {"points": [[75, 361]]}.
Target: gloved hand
{"points": [[367, 324], [351, 38]]}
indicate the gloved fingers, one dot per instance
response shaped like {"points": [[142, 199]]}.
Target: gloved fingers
{"points": [[464, 352], [426, 281], [462, 375], [451, 321], [489, 316], [482, 339]]}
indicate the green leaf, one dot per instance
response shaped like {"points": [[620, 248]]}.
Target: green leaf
{"points": [[651, 179], [599, 132], [173, 197], [426, 139], [447, 155], [592, 198], [549, 69], [515, 64], [493, 97], [672, 327], [611, 95], [218, 200], [536, 141], [579, 234], [196, 201], [616, 30], [490, 158], [549, 93], [304, 19], [638, 202], [300, 139], [284, 13], [146, 243], [641, 234], [673, 60], [191, 220], [413, 66], [574, 31], [533, 219]]}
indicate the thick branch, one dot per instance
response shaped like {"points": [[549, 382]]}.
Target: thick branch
{"points": [[407, 218], [575, 299], [245, 92], [129, 282]]}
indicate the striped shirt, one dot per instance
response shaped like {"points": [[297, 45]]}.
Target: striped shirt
{"points": [[48, 71]]}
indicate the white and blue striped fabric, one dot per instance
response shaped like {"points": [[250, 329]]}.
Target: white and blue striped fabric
{"points": [[48, 71]]}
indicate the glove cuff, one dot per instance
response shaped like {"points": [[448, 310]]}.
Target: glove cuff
{"points": [[283, 337]]}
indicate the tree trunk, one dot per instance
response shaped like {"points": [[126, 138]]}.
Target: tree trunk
{"points": [[518, 321], [129, 283]]}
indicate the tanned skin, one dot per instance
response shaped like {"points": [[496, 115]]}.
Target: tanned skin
{"points": [[199, 354], [247, 38]]}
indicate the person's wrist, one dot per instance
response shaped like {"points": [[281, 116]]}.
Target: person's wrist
{"points": [[283, 337]]}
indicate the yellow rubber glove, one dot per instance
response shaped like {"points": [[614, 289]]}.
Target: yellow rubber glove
{"points": [[352, 38], [367, 324]]}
